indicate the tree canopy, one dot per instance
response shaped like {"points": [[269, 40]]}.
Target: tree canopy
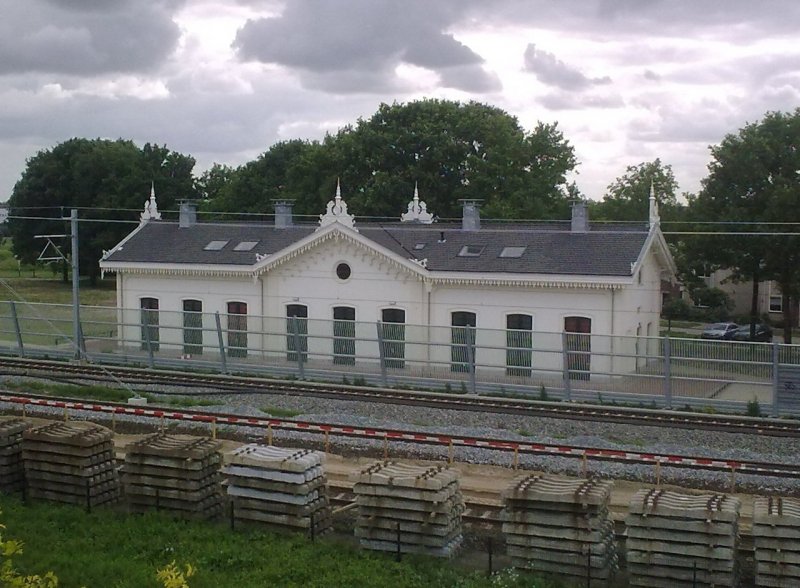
{"points": [[106, 176], [451, 150], [753, 184], [628, 197]]}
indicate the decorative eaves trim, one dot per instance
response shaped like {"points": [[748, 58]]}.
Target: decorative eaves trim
{"points": [[174, 270], [558, 282], [439, 279]]}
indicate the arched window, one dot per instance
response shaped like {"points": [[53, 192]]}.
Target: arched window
{"points": [[149, 320], [462, 336], [237, 329], [296, 331], [519, 342], [192, 327], [393, 337], [344, 335], [578, 346]]}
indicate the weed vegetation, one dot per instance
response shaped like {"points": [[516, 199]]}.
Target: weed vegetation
{"points": [[278, 413], [102, 393], [108, 547]]}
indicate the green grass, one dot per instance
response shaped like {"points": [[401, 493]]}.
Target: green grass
{"points": [[184, 401], [44, 284], [278, 412], [72, 391], [107, 548], [55, 291]]}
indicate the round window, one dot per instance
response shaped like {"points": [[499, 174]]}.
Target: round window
{"points": [[343, 271]]}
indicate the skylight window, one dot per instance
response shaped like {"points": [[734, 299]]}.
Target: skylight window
{"points": [[246, 246], [215, 245], [512, 251], [419, 246], [471, 251]]}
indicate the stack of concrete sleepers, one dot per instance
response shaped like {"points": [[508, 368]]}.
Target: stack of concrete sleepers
{"points": [[71, 462], [561, 527], [178, 473], [12, 473], [680, 539], [417, 508], [776, 537], [279, 487]]}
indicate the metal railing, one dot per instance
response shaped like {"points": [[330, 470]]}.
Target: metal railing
{"points": [[641, 371]]}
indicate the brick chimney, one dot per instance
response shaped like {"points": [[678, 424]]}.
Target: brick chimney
{"points": [[187, 216], [471, 215], [283, 213], [580, 217]]}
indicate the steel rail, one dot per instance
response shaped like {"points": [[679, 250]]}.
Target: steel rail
{"points": [[226, 384], [451, 442]]}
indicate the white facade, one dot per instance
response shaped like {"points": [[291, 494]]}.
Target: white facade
{"points": [[306, 275]]}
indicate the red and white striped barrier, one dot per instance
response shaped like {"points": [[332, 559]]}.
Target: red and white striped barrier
{"points": [[518, 447]]}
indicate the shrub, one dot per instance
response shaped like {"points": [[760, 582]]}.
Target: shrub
{"points": [[10, 577], [753, 408]]}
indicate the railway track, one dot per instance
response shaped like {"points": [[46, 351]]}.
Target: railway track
{"points": [[449, 443], [226, 384]]}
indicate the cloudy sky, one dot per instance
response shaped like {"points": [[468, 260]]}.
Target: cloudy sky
{"points": [[626, 80]]}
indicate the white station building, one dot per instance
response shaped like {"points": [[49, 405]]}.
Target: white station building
{"points": [[427, 279]]}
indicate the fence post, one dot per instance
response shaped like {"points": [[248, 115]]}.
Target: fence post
{"points": [[148, 342], [471, 334], [667, 370], [382, 354], [17, 330], [565, 369], [301, 371], [81, 341], [776, 409], [221, 343]]}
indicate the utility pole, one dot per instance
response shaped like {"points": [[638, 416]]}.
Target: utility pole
{"points": [[76, 301], [58, 255]]}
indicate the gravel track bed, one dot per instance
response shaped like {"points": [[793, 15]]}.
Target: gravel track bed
{"points": [[634, 438]]}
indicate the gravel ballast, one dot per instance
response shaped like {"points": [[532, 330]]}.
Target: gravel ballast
{"points": [[634, 438]]}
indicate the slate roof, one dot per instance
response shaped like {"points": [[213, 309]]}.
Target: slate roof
{"points": [[605, 250]]}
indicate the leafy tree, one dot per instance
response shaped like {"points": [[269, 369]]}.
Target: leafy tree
{"points": [[112, 178], [628, 197], [213, 182], [450, 150], [277, 173], [753, 178]]}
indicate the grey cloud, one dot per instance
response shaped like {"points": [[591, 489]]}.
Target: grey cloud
{"points": [[552, 71], [470, 78], [650, 18], [86, 38], [573, 101], [651, 75], [366, 38]]}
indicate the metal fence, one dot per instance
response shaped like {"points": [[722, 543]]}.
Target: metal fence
{"points": [[646, 371]]}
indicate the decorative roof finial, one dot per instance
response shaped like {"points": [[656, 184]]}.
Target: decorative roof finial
{"points": [[150, 207], [654, 219], [337, 211], [417, 210]]}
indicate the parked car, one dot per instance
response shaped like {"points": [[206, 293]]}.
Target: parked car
{"points": [[719, 331], [762, 333]]}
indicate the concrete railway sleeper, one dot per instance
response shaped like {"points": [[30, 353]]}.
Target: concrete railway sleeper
{"points": [[547, 523]]}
